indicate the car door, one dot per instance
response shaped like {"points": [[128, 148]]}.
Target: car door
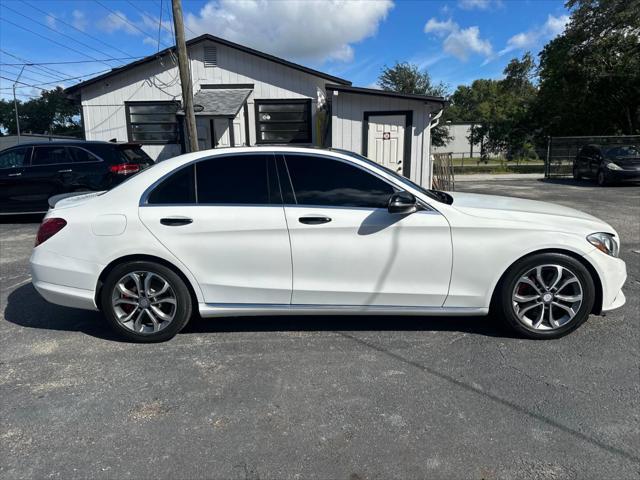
{"points": [[12, 166], [49, 174], [582, 161], [228, 227], [595, 161], [347, 249]]}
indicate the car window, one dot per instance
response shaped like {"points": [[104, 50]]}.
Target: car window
{"points": [[50, 155], [238, 180], [18, 157], [133, 154], [80, 155], [178, 188], [324, 181]]}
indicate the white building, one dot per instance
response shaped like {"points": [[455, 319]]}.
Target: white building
{"points": [[246, 97], [459, 146]]}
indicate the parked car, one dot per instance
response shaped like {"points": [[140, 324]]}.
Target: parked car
{"points": [[31, 173], [283, 230], [607, 164]]}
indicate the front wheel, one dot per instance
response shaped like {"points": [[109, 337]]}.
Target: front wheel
{"points": [[602, 178], [546, 296], [145, 301]]}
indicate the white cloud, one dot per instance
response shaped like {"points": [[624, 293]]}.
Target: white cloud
{"points": [[553, 27], [459, 42], [118, 21], [79, 20], [303, 30], [51, 21], [480, 4]]}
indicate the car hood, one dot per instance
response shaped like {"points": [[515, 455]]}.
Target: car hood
{"points": [[519, 209]]}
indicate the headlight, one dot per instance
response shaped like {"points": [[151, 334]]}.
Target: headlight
{"points": [[605, 242], [613, 166]]}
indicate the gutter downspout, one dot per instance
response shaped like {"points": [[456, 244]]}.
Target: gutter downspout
{"points": [[434, 123]]}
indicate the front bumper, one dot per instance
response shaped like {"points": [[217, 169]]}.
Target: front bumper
{"points": [[623, 174], [612, 273], [63, 280]]}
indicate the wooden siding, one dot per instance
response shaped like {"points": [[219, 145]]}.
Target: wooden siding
{"points": [[347, 122], [103, 102]]}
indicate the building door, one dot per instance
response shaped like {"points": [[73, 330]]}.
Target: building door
{"points": [[221, 132], [203, 126], [386, 141]]}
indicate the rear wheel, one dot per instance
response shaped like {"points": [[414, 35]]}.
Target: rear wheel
{"points": [[576, 173], [546, 296], [145, 301]]}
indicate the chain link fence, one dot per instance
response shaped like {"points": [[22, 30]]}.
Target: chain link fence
{"points": [[562, 151]]}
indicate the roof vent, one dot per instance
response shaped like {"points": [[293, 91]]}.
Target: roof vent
{"points": [[210, 57]]}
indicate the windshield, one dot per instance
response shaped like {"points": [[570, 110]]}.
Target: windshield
{"points": [[434, 194], [624, 151]]}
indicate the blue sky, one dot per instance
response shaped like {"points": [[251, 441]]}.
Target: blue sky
{"points": [[456, 41]]}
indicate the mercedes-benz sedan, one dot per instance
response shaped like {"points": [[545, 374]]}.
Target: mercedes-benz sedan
{"points": [[283, 230]]}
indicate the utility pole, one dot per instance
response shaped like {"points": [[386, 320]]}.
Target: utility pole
{"points": [[185, 77], [15, 102]]}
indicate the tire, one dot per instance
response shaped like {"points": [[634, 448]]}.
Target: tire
{"points": [[556, 296], [145, 318], [602, 179], [576, 173]]}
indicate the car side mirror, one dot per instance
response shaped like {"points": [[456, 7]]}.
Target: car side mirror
{"points": [[402, 202]]}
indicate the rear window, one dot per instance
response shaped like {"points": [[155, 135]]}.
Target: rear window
{"points": [[178, 188], [135, 155]]}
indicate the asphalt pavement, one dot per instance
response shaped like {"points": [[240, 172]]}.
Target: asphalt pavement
{"points": [[323, 397]]}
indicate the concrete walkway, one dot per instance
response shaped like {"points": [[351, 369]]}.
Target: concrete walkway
{"points": [[483, 177]]}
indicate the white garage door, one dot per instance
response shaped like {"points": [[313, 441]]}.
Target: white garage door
{"points": [[385, 143]]}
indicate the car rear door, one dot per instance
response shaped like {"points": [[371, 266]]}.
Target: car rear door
{"points": [[12, 166], [347, 249], [228, 227], [50, 172]]}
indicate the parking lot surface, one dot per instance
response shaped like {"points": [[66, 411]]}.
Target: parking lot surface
{"points": [[323, 397]]}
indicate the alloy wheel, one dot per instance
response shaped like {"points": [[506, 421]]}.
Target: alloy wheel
{"points": [[144, 302], [547, 297]]}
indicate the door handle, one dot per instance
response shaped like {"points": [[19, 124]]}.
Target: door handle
{"points": [[175, 221], [19, 174], [66, 170], [314, 220]]}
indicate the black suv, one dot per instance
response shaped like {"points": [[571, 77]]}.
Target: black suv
{"points": [[30, 173], [608, 163]]}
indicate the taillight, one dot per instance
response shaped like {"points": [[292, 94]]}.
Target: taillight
{"points": [[125, 168], [48, 228]]}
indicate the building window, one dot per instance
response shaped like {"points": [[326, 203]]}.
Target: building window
{"points": [[283, 121], [152, 122]]}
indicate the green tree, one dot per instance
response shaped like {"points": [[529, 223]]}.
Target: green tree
{"points": [[590, 75], [408, 78], [499, 109], [51, 112]]}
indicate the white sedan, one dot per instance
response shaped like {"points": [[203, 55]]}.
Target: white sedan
{"points": [[283, 230]]}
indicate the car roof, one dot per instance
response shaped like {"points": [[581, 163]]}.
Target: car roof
{"points": [[71, 142]]}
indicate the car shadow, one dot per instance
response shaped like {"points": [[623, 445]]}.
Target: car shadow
{"points": [[26, 308], [587, 183]]}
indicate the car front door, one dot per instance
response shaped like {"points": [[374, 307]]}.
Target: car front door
{"points": [[228, 227], [347, 249], [12, 167]]}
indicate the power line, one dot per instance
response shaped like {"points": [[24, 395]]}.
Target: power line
{"points": [[38, 85], [60, 33], [21, 83], [52, 70], [69, 62], [160, 25], [51, 40], [79, 30], [30, 78], [124, 19]]}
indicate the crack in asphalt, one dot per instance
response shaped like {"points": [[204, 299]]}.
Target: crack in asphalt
{"points": [[504, 402]]}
